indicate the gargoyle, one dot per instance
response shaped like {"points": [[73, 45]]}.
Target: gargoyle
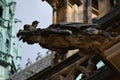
{"points": [[89, 38], [67, 36]]}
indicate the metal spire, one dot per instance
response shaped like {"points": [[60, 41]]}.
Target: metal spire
{"points": [[29, 62]]}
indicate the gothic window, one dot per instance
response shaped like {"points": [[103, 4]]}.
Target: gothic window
{"points": [[1, 11], [7, 44]]}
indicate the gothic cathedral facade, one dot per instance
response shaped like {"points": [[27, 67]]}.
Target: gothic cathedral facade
{"points": [[7, 20]]}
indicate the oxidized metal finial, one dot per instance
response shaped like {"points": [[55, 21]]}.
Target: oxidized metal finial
{"points": [[29, 62], [19, 67]]}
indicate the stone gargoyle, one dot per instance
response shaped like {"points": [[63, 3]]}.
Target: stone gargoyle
{"points": [[62, 37]]}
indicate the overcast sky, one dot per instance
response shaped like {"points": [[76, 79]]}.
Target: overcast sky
{"points": [[28, 11]]}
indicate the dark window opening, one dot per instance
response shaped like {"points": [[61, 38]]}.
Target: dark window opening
{"points": [[7, 44], [1, 11]]}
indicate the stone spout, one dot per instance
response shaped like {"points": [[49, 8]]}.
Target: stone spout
{"points": [[66, 36]]}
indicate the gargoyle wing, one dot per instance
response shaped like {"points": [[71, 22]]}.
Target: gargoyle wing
{"points": [[56, 31], [73, 26]]}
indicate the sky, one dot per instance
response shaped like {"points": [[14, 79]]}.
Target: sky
{"points": [[28, 11]]}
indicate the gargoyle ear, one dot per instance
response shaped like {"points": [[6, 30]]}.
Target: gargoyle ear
{"points": [[35, 22]]}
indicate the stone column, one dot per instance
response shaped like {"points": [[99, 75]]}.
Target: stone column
{"points": [[80, 13], [66, 10], [54, 16], [75, 13], [87, 11], [54, 12]]}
